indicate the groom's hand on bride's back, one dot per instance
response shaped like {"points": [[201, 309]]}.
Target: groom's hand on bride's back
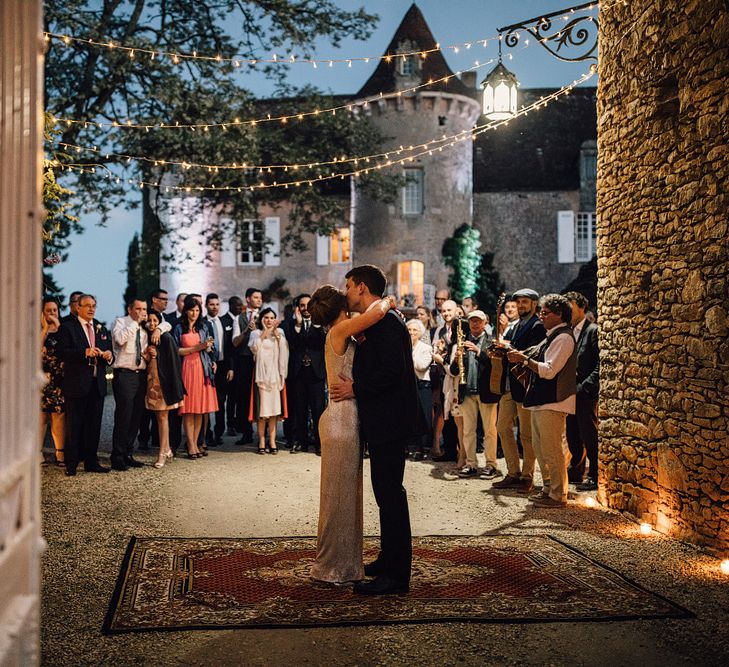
{"points": [[342, 390]]}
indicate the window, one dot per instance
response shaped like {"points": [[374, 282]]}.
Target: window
{"points": [[410, 283], [251, 237], [339, 249], [407, 65], [412, 193], [585, 237]]}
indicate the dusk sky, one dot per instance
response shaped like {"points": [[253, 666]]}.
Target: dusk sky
{"points": [[97, 258]]}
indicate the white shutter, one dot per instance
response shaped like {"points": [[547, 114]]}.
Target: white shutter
{"points": [[228, 250], [565, 237], [322, 250], [273, 242]]}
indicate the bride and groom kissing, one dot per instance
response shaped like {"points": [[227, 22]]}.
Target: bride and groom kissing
{"points": [[373, 401]]}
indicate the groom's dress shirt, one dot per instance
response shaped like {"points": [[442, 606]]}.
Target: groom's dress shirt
{"points": [[129, 341]]}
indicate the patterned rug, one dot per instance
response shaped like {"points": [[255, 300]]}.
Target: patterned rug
{"points": [[204, 583]]}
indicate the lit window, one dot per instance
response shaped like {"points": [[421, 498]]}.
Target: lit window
{"points": [[585, 237], [410, 283], [412, 193], [407, 66], [251, 237], [339, 246]]}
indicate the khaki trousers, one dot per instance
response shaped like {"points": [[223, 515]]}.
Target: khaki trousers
{"points": [[470, 409], [553, 454], [509, 410]]}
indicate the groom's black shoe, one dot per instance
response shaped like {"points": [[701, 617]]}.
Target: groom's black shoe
{"points": [[373, 569], [381, 586]]}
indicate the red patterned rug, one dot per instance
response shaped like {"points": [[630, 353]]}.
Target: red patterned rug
{"points": [[203, 583]]}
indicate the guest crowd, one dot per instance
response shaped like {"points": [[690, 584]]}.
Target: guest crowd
{"points": [[527, 383]]}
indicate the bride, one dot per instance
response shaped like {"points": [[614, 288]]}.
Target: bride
{"points": [[339, 537]]}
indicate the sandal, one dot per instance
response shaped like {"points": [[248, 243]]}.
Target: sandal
{"points": [[274, 450], [261, 450]]}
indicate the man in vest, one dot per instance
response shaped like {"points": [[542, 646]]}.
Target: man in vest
{"points": [[550, 397]]}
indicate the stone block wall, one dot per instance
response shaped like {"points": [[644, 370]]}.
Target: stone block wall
{"points": [[520, 228], [663, 257]]}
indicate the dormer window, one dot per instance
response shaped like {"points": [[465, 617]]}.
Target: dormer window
{"points": [[407, 65], [407, 59]]}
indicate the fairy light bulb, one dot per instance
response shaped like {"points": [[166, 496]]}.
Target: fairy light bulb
{"points": [[724, 566], [590, 502], [645, 528]]}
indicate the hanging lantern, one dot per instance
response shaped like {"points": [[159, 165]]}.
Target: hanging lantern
{"points": [[499, 92]]}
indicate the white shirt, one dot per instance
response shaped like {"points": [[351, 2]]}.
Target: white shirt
{"points": [[422, 358], [578, 329], [555, 357], [85, 328], [123, 337], [236, 320], [219, 335]]}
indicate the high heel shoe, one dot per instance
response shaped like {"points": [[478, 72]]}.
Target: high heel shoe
{"points": [[261, 450], [169, 455], [59, 459], [160, 464], [273, 450]]}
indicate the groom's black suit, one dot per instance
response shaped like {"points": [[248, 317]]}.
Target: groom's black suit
{"points": [[390, 417]]}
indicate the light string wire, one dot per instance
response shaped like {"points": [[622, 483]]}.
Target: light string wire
{"points": [[472, 134], [283, 118], [133, 52]]}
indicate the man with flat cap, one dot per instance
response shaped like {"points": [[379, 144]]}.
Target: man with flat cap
{"points": [[527, 332]]}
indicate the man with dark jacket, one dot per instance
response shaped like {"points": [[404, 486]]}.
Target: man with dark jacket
{"points": [[582, 426], [221, 329], [525, 334], [243, 361], [475, 397], [84, 346], [390, 418]]}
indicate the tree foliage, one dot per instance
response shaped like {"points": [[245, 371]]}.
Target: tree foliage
{"points": [[132, 289], [89, 83], [460, 253], [490, 285]]}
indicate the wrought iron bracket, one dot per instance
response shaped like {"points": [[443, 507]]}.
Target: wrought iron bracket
{"points": [[578, 33]]}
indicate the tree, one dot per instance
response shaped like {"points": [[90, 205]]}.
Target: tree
{"points": [[460, 253], [132, 290], [89, 83], [490, 285]]}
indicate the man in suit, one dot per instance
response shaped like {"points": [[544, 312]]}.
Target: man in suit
{"points": [[475, 397], [243, 326], [221, 329], [528, 331], [72, 306], [84, 346], [582, 426], [174, 317], [386, 392], [307, 374]]}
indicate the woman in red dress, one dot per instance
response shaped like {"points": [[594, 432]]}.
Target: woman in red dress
{"points": [[197, 349]]}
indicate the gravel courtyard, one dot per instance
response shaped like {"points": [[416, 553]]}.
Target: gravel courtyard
{"points": [[234, 492]]}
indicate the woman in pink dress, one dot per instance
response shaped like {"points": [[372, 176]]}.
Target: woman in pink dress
{"points": [[197, 349]]}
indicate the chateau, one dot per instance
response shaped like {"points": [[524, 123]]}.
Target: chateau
{"points": [[528, 187]]}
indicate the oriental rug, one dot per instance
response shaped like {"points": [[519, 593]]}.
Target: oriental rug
{"points": [[206, 583]]}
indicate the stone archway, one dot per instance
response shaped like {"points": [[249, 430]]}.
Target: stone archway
{"points": [[663, 254]]}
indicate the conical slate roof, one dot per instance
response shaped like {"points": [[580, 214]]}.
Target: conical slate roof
{"points": [[415, 30]]}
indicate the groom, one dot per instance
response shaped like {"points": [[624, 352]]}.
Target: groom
{"points": [[384, 387]]}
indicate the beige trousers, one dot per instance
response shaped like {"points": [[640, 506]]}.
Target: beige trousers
{"points": [[509, 410], [550, 445], [470, 409]]}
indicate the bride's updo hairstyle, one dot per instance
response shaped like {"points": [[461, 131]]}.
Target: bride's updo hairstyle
{"points": [[326, 304]]}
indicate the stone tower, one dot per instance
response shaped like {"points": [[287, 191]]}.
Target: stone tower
{"points": [[405, 238]]}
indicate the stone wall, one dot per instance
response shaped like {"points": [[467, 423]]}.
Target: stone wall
{"points": [[663, 258], [520, 228]]}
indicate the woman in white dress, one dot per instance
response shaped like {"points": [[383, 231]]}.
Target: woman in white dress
{"points": [[268, 398], [339, 537]]}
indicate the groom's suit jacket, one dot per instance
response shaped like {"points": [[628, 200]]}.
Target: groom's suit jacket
{"points": [[384, 383]]}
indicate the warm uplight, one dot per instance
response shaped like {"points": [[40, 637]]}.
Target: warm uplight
{"points": [[646, 529], [590, 502], [724, 567]]}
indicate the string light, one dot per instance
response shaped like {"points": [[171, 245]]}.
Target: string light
{"points": [[284, 118], [463, 136]]}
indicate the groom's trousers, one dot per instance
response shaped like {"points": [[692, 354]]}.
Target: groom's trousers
{"points": [[387, 467]]}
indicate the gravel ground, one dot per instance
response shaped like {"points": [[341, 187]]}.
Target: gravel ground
{"points": [[89, 519]]}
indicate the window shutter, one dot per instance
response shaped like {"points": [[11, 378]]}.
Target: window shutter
{"points": [[565, 237], [273, 242], [322, 250], [228, 250]]}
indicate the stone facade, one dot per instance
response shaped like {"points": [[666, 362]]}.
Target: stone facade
{"points": [[663, 261]]}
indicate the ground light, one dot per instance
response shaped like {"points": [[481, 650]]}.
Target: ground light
{"points": [[590, 502], [646, 529], [724, 567]]}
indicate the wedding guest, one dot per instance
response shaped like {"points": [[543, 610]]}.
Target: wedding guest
{"points": [[165, 390], [72, 306], [52, 407], [268, 399], [84, 346], [422, 361], [197, 350], [221, 328], [174, 317], [235, 308], [129, 340], [243, 326], [423, 314]]}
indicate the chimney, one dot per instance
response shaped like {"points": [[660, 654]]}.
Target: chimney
{"points": [[469, 79]]}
